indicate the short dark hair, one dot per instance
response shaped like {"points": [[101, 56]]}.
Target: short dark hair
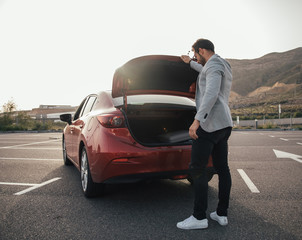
{"points": [[203, 43]]}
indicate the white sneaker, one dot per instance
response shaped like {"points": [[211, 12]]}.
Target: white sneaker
{"points": [[222, 220], [193, 223]]}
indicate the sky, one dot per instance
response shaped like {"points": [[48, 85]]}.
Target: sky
{"points": [[56, 52]]}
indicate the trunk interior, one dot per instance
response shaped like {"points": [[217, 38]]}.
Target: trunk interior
{"points": [[160, 124]]}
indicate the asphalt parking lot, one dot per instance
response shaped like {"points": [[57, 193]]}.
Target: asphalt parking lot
{"points": [[40, 198]]}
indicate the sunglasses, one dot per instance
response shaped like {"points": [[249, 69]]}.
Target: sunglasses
{"points": [[191, 54]]}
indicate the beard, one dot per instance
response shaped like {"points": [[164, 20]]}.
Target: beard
{"points": [[202, 60]]}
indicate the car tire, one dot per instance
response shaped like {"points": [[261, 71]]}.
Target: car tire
{"points": [[90, 188], [66, 160]]}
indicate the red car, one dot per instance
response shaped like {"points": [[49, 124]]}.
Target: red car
{"points": [[137, 131]]}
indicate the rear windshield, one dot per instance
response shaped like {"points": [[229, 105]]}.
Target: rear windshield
{"points": [[147, 99]]}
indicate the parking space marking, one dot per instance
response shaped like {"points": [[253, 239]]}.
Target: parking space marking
{"points": [[284, 139], [31, 159], [18, 184], [29, 148], [33, 186], [28, 144], [37, 186], [248, 181], [299, 143]]}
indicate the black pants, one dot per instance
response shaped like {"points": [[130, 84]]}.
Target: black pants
{"points": [[215, 143]]}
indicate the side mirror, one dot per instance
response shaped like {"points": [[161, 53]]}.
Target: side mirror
{"points": [[66, 118]]}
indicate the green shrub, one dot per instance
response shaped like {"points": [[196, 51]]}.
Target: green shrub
{"points": [[23, 122], [297, 114]]}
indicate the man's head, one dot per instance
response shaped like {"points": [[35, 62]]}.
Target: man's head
{"points": [[203, 49]]}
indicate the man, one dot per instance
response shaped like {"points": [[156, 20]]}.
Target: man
{"points": [[210, 132]]}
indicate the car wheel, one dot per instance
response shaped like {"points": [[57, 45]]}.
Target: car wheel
{"points": [[66, 160], [89, 188]]}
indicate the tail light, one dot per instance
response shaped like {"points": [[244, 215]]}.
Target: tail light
{"points": [[111, 120]]}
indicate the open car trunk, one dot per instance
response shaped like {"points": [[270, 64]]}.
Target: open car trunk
{"points": [[160, 124], [154, 75], [160, 121]]}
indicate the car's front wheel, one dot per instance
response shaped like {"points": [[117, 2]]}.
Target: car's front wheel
{"points": [[90, 188]]}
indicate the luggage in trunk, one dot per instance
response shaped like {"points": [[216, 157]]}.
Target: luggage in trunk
{"points": [[160, 125]]}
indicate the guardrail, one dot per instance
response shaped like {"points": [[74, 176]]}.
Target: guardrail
{"points": [[260, 122]]}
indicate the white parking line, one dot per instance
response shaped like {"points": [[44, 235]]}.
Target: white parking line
{"points": [[27, 144], [299, 143], [36, 186], [248, 181], [31, 159], [284, 139], [18, 184], [29, 148], [33, 186]]}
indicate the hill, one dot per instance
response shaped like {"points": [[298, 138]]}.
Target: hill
{"points": [[260, 85], [248, 75]]}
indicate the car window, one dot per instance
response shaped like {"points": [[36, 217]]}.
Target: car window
{"points": [[88, 106], [78, 111]]}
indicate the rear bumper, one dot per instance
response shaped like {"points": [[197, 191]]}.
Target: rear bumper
{"points": [[132, 167], [155, 163], [148, 176], [119, 158]]}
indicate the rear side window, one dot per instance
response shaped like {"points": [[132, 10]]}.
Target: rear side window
{"points": [[89, 104]]}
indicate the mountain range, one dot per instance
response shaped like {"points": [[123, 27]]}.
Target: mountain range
{"points": [[272, 79]]}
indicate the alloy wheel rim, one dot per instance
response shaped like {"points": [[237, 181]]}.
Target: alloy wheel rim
{"points": [[84, 171], [64, 150]]}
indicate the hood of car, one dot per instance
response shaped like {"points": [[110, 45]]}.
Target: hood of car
{"points": [[154, 74]]}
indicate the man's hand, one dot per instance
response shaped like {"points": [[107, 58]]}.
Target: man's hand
{"points": [[193, 129], [185, 58]]}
